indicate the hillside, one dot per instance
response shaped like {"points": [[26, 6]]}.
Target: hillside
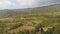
{"points": [[15, 12], [41, 20]]}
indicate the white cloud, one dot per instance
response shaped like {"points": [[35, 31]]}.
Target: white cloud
{"points": [[35, 3], [25, 3], [6, 3]]}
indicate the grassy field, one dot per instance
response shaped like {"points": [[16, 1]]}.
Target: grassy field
{"points": [[34, 22], [26, 24]]}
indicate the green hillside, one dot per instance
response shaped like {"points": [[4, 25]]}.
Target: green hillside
{"points": [[38, 10], [44, 20]]}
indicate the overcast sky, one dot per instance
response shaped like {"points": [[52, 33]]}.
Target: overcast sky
{"points": [[16, 4]]}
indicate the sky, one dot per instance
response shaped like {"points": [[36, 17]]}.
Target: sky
{"points": [[18, 4]]}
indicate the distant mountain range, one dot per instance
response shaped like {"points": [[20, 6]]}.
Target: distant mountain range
{"points": [[14, 12]]}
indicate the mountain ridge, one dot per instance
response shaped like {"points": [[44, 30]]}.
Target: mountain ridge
{"points": [[45, 9]]}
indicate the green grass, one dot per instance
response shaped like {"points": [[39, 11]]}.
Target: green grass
{"points": [[48, 21], [31, 22]]}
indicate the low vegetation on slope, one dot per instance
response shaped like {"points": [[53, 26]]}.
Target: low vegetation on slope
{"points": [[30, 24], [38, 21]]}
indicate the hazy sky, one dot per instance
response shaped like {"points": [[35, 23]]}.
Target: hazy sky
{"points": [[14, 4]]}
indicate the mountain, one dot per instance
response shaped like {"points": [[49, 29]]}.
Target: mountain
{"points": [[31, 21], [15, 12]]}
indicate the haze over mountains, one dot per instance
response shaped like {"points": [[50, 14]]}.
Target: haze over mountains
{"points": [[16, 4], [15, 12]]}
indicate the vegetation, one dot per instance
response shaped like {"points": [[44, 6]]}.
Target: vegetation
{"points": [[44, 20]]}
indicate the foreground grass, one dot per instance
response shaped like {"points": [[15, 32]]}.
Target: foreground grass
{"points": [[30, 24]]}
